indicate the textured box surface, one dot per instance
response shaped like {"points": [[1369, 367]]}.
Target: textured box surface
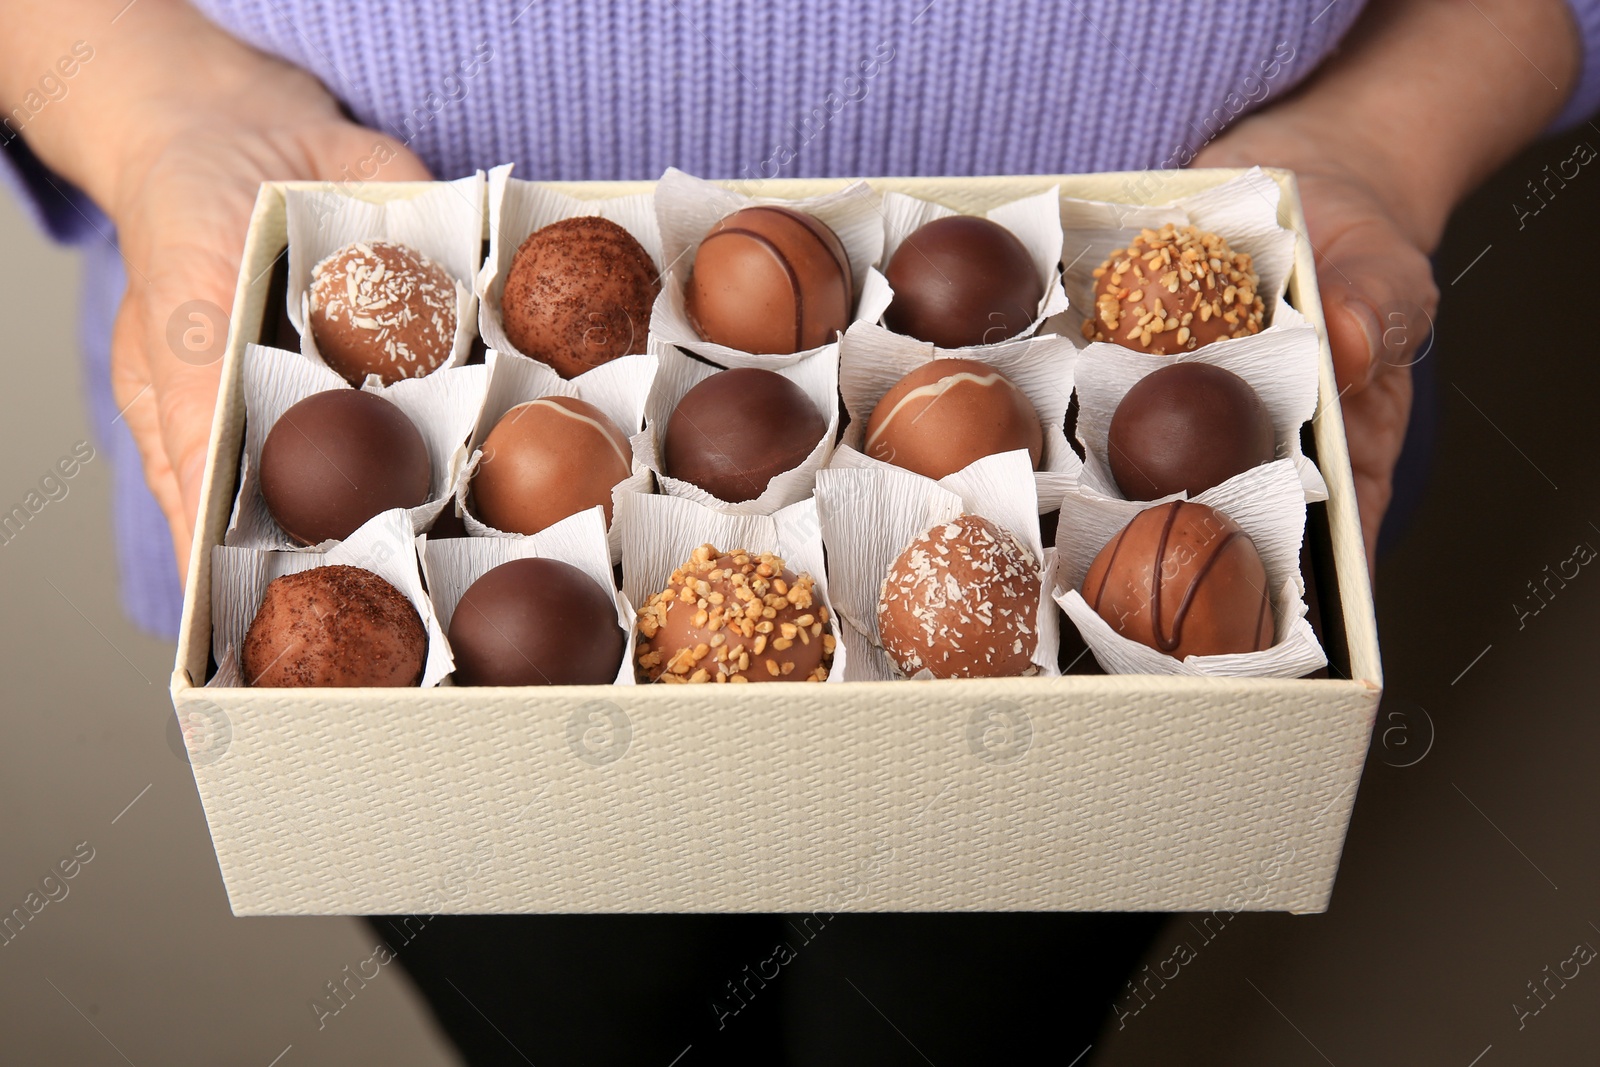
{"points": [[1072, 793]]}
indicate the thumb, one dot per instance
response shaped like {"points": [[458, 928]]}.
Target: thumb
{"points": [[1378, 299], [350, 153]]}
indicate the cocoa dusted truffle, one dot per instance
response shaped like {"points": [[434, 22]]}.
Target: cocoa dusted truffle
{"points": [[1173, 290], [536, 622], [1184, 579], [579, 294], [1186, 428], [771, 280], [962, 601], [961, 281], [336, 459], [735, 617], [382, 308], [547, 459], [334, 626], [949, 413], [734, 431]]}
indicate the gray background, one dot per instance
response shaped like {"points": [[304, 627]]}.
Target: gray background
{"points": [[1471, 861]]}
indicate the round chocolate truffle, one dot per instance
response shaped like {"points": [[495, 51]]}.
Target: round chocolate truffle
{"points": [[1184, 579], [1186, 428], [579, 294], [949, 413], [547, 459], [1173, 290], [735, 617], [536, 622], [771, 280], [734, 431], [382, 308], [962, 601], [336, 459], [334, 626], [962, 281]]}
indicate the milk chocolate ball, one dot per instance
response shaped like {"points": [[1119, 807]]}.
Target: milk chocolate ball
{"points": [[962, 601], [1187, 428], [735, 617], [1173, 290], [961, 281], [734, 431], [336, 459], [579, 294], [334, 626], [382, 308], [770, 280], [949, 413], [1184, 579], [536, 622], [547, 459]]}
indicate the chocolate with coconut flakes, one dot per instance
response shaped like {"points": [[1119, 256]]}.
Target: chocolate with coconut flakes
{"points": [[382, 308]]}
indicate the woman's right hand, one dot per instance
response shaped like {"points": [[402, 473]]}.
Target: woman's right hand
{"points": [[175, 126]]}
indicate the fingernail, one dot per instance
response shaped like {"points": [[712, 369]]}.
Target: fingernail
{"points": [[1371, 329]]}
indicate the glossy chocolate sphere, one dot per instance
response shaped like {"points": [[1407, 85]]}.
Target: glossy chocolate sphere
{"points": [[1185, 429], [734, 431], [547, 459], [949, 413], [536, 622], [960, 281]]}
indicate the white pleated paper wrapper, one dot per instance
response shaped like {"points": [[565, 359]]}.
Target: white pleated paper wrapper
{"points": [[1279, 364], [443, 406], [1244, 211], [660, 534], [1034, 220], [687, 207], [617, 388], [384, 545], [872, 360], [871, 512], [452, 564], [817, 375], [519, 208], [445, 224], [1269, 505]]}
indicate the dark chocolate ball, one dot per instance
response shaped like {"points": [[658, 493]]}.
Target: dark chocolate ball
{"points": [[579, 294], [382, 308], [1184, 579], [735, 617], [336, 459], [547, 459], [536, 622], [334, 626], [962, 601], [949, 413], [1187, 428], [771, 280], [1173, 290], [734, 431], [961, 281]]}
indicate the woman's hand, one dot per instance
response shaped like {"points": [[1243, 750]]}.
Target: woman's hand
{"points": [[1378, 295], [170, 128]]}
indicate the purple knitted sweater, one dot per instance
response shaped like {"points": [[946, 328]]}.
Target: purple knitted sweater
{"points": [[740, 88]]}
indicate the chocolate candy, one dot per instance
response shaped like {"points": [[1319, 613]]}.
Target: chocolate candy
{"points": [[382, 308], [960, 281], [962, 601], [579, 294], [771, 280], [949, 413], [334, 626], [735, 617], [547, 459], [1173, 290], [536, 622], [1187, 428], [336, 459], [735, 430], [1184, 579]]}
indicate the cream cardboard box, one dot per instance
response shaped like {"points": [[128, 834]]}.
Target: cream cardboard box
{"points": [[1074, 793]]}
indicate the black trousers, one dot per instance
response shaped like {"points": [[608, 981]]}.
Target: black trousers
{"points": [[770, 989]]}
